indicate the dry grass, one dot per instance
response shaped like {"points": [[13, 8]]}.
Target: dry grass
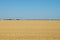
{"points": [[29, 29]]}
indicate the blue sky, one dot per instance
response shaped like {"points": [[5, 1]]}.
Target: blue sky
{"points": [[30, 9]]}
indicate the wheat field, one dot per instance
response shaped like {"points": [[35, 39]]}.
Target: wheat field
{"points": [[29, 29]]}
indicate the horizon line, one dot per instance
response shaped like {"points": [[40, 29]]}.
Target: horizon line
{"points": [[29, 19]]}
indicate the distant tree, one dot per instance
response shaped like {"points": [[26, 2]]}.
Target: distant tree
{"points": [[17, 19], [8, 19]]}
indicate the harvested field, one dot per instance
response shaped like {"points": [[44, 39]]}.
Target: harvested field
{"points": [[29, 29]]}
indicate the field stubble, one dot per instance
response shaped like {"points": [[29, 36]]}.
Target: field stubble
{"points": [[30, 30]]}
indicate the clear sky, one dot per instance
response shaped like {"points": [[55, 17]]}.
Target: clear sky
{"points": [[30, 9]]}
